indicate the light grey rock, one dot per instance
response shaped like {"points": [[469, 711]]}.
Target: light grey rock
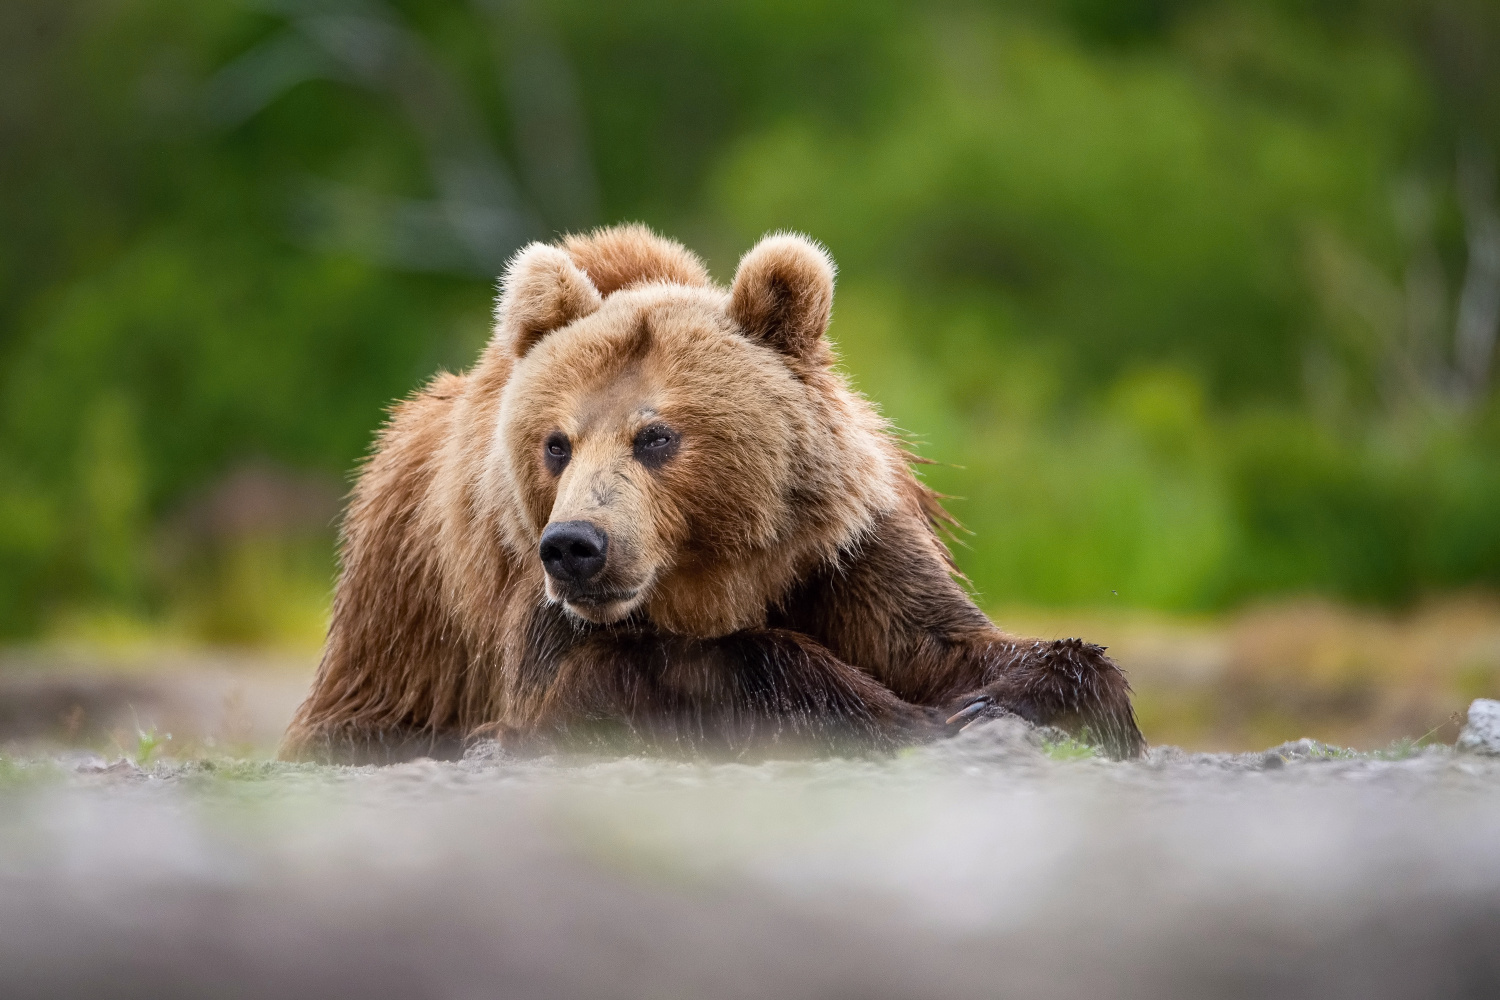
{"points": [[94, 764], [486, 752], [1482, 734], [1303, 749], [1001, 738]]}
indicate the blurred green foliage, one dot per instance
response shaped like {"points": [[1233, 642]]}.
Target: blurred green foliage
{"points": [[1191, 301]]}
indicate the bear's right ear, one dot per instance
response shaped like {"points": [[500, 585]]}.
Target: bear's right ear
{"points": [[543, 290], [783, 295]]}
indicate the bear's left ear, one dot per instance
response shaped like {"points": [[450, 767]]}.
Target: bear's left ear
{"points": [[543, 290], [783, 294]]}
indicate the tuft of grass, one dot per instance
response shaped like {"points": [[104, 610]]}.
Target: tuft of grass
{"points": [[1326, 751], [147, 743], [1406, 746], [1067, 748], [1403, 749], [1399, 749]]}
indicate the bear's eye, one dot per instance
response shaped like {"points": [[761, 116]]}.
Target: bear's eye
{"points": [[556, 451], [655, 444]]}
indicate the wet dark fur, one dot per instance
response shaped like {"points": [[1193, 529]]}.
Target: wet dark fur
{"points": [[874, 650], [905, 620]]}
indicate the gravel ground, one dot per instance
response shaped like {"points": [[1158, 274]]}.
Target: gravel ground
{"points": [[986, 866]]}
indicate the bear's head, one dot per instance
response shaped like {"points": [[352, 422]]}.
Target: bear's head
{"points": [[669, 449]]}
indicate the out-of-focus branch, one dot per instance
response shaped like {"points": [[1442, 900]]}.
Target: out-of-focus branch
{"points": [[1479, 301], [550, 131], [479, 210], [1424, 289]]}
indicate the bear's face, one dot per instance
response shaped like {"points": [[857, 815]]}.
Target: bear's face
{"points": [[676, 451]]}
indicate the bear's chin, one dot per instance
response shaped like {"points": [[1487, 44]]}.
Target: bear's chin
{"points": [[602, 612]]}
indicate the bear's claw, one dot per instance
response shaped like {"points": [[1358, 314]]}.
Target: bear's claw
{"points": [[982, 709], [967, 713]]}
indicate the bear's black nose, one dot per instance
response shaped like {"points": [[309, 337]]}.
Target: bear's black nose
{"points": [[573, 551]]}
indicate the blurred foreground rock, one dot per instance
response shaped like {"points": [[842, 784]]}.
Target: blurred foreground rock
{"points": [[1003, 863]]}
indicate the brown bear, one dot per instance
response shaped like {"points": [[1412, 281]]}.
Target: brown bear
{"points": [[655, 511]]}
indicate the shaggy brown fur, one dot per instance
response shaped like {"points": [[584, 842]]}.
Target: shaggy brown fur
{"points": [[772, 572]]}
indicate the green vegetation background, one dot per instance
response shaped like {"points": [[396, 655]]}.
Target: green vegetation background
{"points": [[1174, 292]]}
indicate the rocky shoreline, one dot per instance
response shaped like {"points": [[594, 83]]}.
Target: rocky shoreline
{"points": [[1004, 862]]}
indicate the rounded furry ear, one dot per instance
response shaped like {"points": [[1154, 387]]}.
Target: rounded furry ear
{"points": [[542, 290], [783, 294], [617, 257]]}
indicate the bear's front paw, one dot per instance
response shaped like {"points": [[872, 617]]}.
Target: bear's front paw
{"points": [[1070, 684]]}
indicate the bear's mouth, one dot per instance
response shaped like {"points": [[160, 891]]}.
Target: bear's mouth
{"points": [[603, 607], [596, 600]]}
